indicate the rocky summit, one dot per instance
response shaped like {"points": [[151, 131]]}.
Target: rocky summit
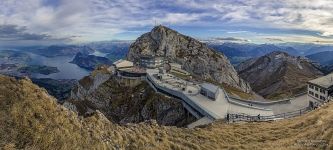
{"points": [[277, 74], [195, 57]]}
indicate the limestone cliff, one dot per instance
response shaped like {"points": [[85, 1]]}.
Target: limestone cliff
{"points": [[126, 101], [195, 56]]}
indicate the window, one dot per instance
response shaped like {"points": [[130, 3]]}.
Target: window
{"points": [[316, 95], [316, 88], [322, 98], [322, 91], [311, 93], [203, 92]]}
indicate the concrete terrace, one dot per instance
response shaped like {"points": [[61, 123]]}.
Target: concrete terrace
{"points": [[281, 106], [189, 92]]}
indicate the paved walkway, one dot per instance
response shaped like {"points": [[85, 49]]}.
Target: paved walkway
{"points": [[284, 106]]}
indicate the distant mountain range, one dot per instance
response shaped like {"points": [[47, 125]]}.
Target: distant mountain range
{"points": [[324, 58], [63, 50], [238, 52], [114, 49]]}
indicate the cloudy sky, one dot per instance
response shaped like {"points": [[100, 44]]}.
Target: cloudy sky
{"points": [[33, 22]]}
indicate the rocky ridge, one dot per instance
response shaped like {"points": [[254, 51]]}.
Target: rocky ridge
{"points": [[278, 75], [196, 57]]}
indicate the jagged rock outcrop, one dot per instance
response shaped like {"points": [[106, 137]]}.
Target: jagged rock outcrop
{"points": [[193, 55], [123, 104], [277, 74]]}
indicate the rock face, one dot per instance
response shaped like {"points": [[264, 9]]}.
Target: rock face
{"points": [[193, 55], [277, 74], [90, 62], [125, 104]]}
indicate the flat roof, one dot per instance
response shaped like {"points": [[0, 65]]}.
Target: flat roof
{"points": [[134, 69], [325, 81], [123, 63], [210, 87]]}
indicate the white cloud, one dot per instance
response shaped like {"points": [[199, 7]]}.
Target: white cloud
{"points": [[104, 19], [178, 18]]}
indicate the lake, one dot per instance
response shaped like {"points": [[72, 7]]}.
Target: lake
{"points": [[67, 70]]}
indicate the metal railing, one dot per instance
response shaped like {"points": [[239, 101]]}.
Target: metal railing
{"points": [[249, 118]]}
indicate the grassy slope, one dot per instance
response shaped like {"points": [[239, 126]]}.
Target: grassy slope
{"points": [[29, 118]]}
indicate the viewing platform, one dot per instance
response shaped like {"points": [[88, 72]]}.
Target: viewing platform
{"points": [[189, 92]]}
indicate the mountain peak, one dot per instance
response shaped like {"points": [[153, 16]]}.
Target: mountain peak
{"points": [[273, 74], [194, 56], [161, 28]]}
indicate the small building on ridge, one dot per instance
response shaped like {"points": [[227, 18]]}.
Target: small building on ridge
{"points": [[209, 90]]}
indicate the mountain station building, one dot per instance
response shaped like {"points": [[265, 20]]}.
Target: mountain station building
{"points": [[321, 88], [152, 62]]}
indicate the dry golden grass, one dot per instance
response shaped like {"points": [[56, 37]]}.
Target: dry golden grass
{"points": [[31, 119]]}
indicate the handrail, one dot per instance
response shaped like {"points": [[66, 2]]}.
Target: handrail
{"points": [[260, 102], [270, 102], [243, 117]]}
